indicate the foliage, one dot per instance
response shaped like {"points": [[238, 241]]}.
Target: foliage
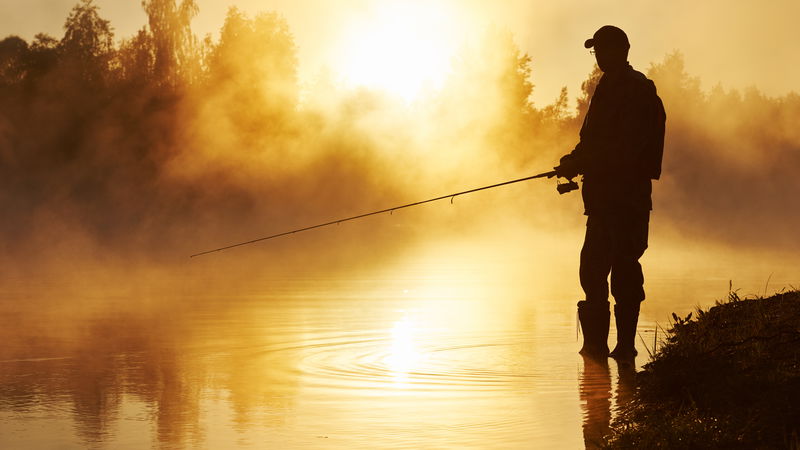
{"points": [[587, 90], [254, 71], [495, 74], [174, 44], [13, 53], [124, 139], [88, 42], [728, 160], [727, 379]]}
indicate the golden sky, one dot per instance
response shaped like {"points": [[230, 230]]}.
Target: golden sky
{"points": [[736, 43]]}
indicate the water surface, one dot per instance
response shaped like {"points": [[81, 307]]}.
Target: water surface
{"points": [[436, 355]]}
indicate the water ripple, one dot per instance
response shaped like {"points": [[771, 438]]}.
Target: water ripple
{"points": [[424, 362]]}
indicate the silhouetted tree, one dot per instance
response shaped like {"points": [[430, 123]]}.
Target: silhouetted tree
{"points": [[43, 55], [493, 71], [174, 44], [588, 87], [486, 101], [88, 43], [107, 154], [136, 58], [253, 70], [680, 92], [14, 55], [558, 111]]}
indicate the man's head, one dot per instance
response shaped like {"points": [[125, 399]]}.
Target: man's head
{"points": [[610, 46]]}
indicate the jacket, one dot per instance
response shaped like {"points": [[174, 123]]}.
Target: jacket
{"points": [[621, 144]]}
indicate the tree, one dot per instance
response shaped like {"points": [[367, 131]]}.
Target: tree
{"points": [[44, 51], [174, 44], [254, 68], [490, 82], [588, 87], [88, 42], [13, 58], [136, 58], [680, 91], [558, 110]]}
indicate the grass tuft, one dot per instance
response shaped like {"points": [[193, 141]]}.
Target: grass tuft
{"points": [[727, 378]]}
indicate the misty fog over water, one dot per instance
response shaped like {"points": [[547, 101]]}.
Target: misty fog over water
{"points": [[448, 323], [462, 343]]}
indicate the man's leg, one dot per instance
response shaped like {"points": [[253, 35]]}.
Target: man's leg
{"points": [[593, 312], [627, 280], [596, 259]]}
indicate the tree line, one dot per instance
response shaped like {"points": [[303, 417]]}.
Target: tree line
{"points": [[133, 136]]}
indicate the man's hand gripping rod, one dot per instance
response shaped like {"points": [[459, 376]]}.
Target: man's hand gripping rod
{"points": [[562, 189]]}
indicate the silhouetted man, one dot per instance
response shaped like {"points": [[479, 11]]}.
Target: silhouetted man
{"points": [[619, 153]]}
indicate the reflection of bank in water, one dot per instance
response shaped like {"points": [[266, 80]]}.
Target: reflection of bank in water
{"points": [[596, 397]]}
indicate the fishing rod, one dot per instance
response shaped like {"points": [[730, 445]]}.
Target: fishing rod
{"points": [[562, 189]]}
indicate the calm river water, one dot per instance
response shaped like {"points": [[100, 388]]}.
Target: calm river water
{"points": [[438, 355]]}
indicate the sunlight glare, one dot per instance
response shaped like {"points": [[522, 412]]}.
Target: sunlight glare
{"points": [[402, 48], [404, 354]]}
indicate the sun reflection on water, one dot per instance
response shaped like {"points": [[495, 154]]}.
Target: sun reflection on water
{"points": [[404, 355]]}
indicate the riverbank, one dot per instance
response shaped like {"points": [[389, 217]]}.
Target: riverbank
{"points": [[728, 377]]}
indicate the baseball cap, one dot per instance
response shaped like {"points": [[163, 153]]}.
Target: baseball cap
{"points": [[608, 36]]}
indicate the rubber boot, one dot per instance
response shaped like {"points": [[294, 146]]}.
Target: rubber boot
{"points": [[626, 318], [594, 319]]}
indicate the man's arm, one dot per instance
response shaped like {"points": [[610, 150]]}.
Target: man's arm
{"points": [[571, 164], [574, 163]]}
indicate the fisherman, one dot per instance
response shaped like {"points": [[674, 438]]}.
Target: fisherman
{"points": [[619, 153]]}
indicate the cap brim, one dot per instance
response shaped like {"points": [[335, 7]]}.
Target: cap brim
{"points": [[589, 43]]}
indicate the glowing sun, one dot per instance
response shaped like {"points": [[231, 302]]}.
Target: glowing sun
{"points": [[402, 48]]}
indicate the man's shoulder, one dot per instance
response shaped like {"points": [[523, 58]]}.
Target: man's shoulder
{"points": [[638, 80]]}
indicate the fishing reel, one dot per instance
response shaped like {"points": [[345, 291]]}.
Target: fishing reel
{"points": [[569, 186]]}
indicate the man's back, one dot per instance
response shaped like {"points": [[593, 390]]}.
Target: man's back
{"points": [[621, 143]]}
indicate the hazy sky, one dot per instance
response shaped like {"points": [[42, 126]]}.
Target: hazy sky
{"points": [[738, 43]]}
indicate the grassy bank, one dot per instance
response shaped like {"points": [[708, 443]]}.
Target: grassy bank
{"points": [[727, 378]]}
